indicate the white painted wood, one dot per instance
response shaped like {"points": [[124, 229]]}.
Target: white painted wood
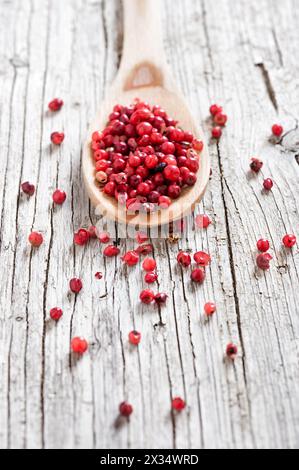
{"points": [[242, 54]]}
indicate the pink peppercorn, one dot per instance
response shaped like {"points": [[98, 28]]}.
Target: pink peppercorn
{"points": [[184, 258], [56, 313], [289, 240], [277, 130], [28, 188], [198, 275], [92, 230], [81, 237], [256, 165], [268, 184], [131, 258], [147, 296], [76, 285], [150, 277], [263, 245], [79, 345], [55, 104], [104, 237], [215, 109], [178, 404], [201, 258], [98, 275], [59, 196], [216, 132], [263, 260], [57, 138], [36, 239], [202, 220], [209, 308], [231, 351], [149, 264], [134, 337], [125, 409], [110, 251], [220, 119]]}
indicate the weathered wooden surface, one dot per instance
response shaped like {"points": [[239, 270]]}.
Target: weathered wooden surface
{"points": [[243, 54]]}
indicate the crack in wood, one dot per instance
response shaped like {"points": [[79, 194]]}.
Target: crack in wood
{"points": [[268, 84]]}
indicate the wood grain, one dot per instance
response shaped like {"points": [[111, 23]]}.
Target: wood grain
{"points": [[242, 54]]}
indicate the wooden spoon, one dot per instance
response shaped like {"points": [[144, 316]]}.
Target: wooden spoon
{"points": [[143, 73]]}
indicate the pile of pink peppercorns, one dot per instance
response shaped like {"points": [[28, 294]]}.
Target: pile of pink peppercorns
{"points": [[143, 159], [142, 154]]}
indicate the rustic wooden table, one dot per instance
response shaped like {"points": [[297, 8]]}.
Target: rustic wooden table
{"points": [[242, 54]]}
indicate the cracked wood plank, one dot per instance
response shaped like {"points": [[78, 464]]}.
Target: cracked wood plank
{"points": [[217, 51]]}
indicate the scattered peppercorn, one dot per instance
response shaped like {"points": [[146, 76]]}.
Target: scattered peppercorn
{"points": [[79, 345], [134, 337], [56, 313], [57, 138], [36, 239], [55, 104], [289, 240], [178, 404], [28, 188], [277, 130], [125, 409], [231, 351], [256, 165]]}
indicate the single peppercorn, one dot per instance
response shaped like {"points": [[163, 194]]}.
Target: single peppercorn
{"points": [[57, 138], [220, 119], [76, 285], [110, 251], [35, 239], [268, 184], [104, 237], [125, 409], [263, 261], [147, 296], [28, 188], [178, 404], [201, 258], [231, 351], [256, 165], [202, 221], [198, 275], [79, 345], [263, 245], [98, 275], [59, 196], [216, 132], [150, 277], [277, 130], [184, 258], [289, 240], [55, 104], [131, 258], [215, 109], [81, 237], [149, 264], [209, 308], [56, 313], [134, 337]]}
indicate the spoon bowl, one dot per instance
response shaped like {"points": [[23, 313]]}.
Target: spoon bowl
{"points": [[143, 74]]}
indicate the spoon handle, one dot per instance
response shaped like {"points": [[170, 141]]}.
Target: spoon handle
{"points": [[143, 45]]}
